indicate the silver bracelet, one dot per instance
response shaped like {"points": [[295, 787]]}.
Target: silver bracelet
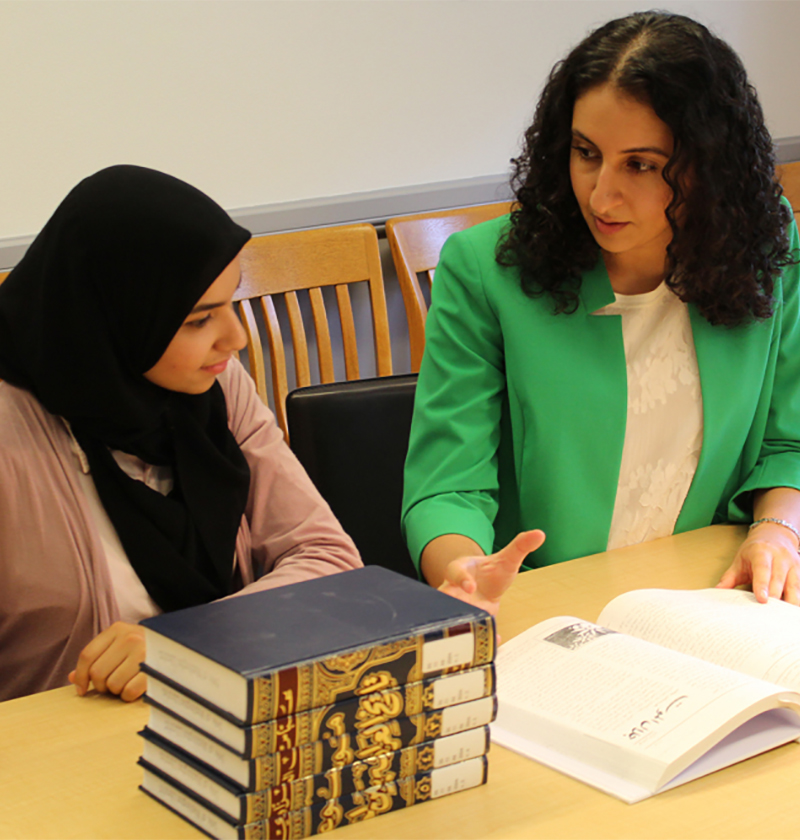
{"points": [[779, 522]]}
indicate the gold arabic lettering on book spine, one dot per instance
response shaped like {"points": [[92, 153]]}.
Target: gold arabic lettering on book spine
{"points": [[378, 699], [339, 747], [339, 781], [352, 808]]}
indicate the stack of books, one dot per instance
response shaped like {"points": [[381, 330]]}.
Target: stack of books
{"points": [[289, 712]]}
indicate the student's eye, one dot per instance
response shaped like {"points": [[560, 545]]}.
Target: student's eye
{"points": [[642, 166], [199, 323], [584, 152]]}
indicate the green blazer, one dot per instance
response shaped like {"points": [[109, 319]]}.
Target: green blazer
{"points": [[520, 414]]}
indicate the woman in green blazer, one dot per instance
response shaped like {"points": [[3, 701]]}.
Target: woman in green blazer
{"points": [[619, 359]]}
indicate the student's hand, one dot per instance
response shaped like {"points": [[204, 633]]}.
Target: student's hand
{"points": [[481, 580], [768, 560], [111, 662]]}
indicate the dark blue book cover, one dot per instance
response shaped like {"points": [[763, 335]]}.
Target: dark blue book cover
{"points": [[285, 650]]}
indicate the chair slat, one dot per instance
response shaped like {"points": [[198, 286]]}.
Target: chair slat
{"points": [[789, 176], [349, 342], [299, 343], [255, 353], [324, 349], [380, 326], [280, 385]]}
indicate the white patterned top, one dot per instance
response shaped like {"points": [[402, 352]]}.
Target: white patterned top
{"points": [[664, 431]]}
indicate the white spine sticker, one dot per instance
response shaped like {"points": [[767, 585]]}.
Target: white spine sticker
{"points": [[448, 653], [457, 777], [459, 747], [458, 688], [467, 715]]}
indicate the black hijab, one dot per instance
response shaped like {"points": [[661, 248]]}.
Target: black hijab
{"points": [[92, 305]]}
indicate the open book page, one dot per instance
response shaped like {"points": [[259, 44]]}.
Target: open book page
{"points": [[762, 733], [725, 626], [619, 704]]}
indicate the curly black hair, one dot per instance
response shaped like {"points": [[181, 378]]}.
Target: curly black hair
{"points": [[732, 239]]}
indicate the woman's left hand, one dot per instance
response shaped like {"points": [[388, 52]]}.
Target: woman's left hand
{"points": [[768, 560], [481, 580], [111, 662]]}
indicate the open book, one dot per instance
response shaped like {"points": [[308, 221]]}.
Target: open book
{"points": [[667, 687]]}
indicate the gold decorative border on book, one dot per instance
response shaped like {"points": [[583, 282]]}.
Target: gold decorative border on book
{"points": [[485, 639], [332, 679]]}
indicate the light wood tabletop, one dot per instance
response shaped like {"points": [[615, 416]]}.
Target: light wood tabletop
{"points": [[68, 764]]}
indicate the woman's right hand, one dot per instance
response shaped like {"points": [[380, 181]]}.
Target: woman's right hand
{"points": [[481, 579], [111, 662]]}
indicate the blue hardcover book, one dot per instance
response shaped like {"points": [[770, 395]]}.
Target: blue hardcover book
{"points": [[301, 791], [359, 713], [286, 650], [334, 749], [323, 815]]}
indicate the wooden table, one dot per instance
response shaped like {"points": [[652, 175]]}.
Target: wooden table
{"points": [[68, 764]]}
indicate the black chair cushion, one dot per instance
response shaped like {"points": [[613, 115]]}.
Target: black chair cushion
{"points": [[352, 439]]}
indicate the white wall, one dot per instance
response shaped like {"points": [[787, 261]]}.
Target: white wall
{"points": [[264, 102]]}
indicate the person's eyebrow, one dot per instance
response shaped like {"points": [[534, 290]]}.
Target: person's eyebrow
{"points": [[204, 307], [637, 150]]}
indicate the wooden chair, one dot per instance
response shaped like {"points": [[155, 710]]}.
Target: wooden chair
{"points": [[280, 265], [789, 176], [416, 242], [3, 275]]}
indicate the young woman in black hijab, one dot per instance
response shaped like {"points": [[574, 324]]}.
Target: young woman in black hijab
{"points": [[131, 480]]}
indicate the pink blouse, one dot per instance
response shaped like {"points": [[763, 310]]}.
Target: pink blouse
{"points": [[55, 587]]}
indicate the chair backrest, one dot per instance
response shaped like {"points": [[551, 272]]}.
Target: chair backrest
{"points": [[416, 242], [789, 176], [352, 439], [280, 265], [3, 275]]}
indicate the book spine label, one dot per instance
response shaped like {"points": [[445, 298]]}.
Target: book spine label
{"points": [[450, 652], [310, 685]]}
